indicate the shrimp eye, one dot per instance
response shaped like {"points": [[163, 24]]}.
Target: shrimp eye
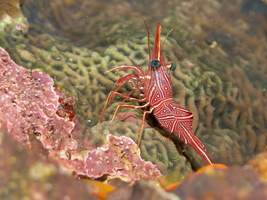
{"points": [[171, 66], [155, 63]]}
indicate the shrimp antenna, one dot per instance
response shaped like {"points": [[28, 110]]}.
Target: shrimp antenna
{"points": [[148, 34], [166, 38]]}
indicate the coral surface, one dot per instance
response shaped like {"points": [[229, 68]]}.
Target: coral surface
{"points": [[28, 96], [76, 42], [82, 72], [141, 190], [234, 183], [154, 147], [27, 175], [259, 164], [10, 13], [78, 22], [229, 58], [121, 157]]}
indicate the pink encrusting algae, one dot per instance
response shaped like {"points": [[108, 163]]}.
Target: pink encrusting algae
{"points": [[120, 157], [28, 106]]}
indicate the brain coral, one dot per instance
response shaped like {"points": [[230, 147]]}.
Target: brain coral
{"points": [[234, 66], [78, 21], [228, 57]]}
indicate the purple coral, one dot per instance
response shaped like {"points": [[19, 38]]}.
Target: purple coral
{"points": [[121, 157], [28, 105]]}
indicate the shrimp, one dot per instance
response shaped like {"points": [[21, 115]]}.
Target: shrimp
{"points": [[155, 89]]}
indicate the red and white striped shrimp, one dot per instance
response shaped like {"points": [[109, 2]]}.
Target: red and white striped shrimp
{"points": [[155, 88]]}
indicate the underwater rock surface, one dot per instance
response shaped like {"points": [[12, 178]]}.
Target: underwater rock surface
{"points": [[235, 183], [10, 13], [27, 175]]}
